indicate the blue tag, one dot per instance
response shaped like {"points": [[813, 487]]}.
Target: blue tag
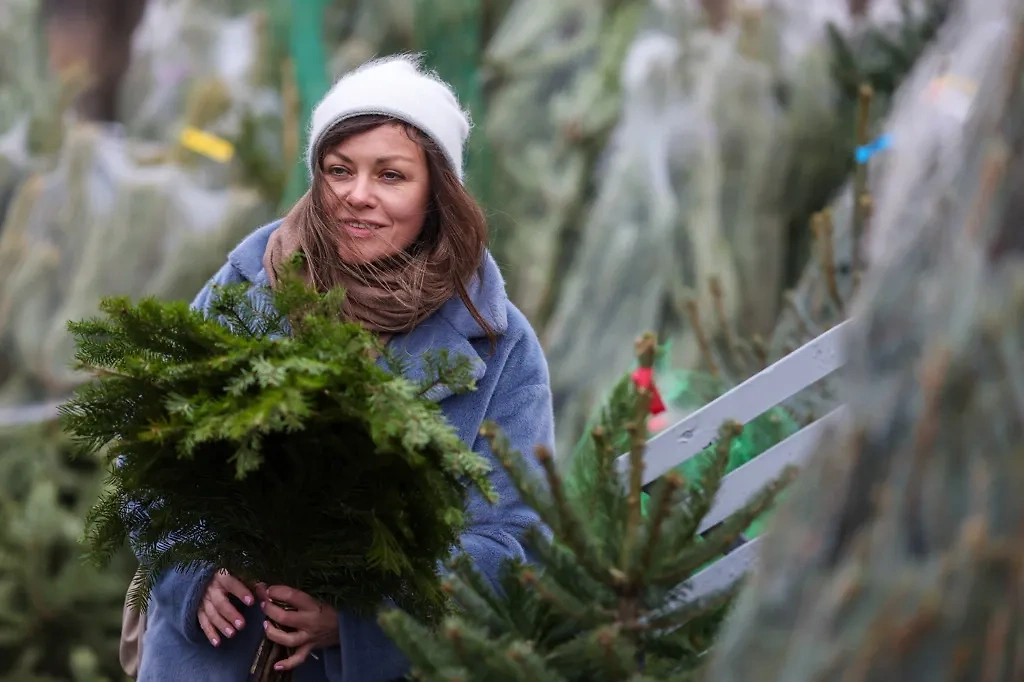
{"points": [[881, 143]]}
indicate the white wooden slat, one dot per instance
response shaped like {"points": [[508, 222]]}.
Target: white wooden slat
{"points": [[742, 484], [721, 574], [737, 488], [771, 386]]}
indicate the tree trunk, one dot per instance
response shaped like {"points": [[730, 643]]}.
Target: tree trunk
{"points": [[97, 35]]}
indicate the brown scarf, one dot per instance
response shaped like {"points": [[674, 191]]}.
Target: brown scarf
{"points": [[385, 300]]}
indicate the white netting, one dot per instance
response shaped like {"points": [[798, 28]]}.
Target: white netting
{"points": [[932, 134], [93, 211], [928, 139], [103, 221], [553, 69], [182, 43], [692, 187], [22, 65]]}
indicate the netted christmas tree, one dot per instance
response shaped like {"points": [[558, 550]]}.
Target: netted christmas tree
{"points": [[266, 439], [606, 598], [897, 556], [726, 142]]}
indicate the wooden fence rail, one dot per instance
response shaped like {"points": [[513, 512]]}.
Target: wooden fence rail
{"points": [[770, 387]]}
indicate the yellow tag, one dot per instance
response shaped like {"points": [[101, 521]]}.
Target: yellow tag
{"points": [[207, 144]]}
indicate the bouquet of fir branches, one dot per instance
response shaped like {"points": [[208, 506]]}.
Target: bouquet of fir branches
{"points": [[268, 441]]}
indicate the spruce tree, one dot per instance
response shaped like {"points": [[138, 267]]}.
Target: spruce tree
{"points": [[605, 598], [267, 440], [727, 359], [898, 553], [59, 618]]}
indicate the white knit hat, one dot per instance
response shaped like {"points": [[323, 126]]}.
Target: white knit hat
{"points": [[396, 86]]}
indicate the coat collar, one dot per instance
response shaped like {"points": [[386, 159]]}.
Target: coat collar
{"points": [[451, 328]]}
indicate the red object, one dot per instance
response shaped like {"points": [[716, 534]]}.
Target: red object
{"points": [[656, 424], [644, 378]]}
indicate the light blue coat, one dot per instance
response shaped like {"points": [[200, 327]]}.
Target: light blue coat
{"points": [[512, 389]]}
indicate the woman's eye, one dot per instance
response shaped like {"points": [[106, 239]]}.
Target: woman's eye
{"points": [[336, 170], [391, 175]]}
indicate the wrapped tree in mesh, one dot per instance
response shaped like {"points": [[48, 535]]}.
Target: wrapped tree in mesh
{"points": [[86, 212], [897, 556], [102, 222], [725, 139]]}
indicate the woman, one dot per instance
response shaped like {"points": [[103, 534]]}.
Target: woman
{"points": [[387, 217]]}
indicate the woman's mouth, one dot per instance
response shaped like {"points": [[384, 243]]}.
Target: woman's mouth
{"points": [[359, 228]]}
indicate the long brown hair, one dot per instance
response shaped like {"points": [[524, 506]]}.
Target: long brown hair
{"points": [[450, 248]]}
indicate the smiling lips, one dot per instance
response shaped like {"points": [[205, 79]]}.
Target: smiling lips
{"points": [[361, 228]]}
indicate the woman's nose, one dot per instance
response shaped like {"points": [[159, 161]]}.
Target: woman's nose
{"points": [[360, 193]]}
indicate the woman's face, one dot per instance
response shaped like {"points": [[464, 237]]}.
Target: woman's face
{"points": [[382, 185]]}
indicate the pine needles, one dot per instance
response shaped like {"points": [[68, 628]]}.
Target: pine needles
{"points": [[268, 440], [605, 597]]}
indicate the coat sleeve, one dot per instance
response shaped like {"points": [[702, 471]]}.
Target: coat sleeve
{"points": [[179, 592], [524, 413]]}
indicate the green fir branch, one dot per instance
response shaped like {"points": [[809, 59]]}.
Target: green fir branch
{"points": [[715, 542], [604, 598], [263, 438]]}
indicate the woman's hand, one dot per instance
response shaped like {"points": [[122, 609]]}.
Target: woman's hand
{"points": [[314, 625], [216, 612]]}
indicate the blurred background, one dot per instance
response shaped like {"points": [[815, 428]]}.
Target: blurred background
{"points": [[645, 164]]}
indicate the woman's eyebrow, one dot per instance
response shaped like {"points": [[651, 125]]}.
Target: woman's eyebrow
{"points": [[380, 159]]}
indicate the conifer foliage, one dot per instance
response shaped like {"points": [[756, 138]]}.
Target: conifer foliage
{"points": [[265, 438], [59, 619], [605, 599]]}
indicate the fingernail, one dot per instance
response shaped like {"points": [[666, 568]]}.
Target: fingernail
{"points": [[263, 605], [266, 625], [238, 624], [278, 667], [228, 631], [215, 642], [248, 601]]}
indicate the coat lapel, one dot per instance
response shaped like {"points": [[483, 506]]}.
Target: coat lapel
{"points": [[432, 335]]}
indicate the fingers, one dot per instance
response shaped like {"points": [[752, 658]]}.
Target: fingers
{"points": [[234, 586], [296, 659], [281, 616], [215, 617], [207, 628], [224, 609], [261, 592], [289, 595], [292, 640]]}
